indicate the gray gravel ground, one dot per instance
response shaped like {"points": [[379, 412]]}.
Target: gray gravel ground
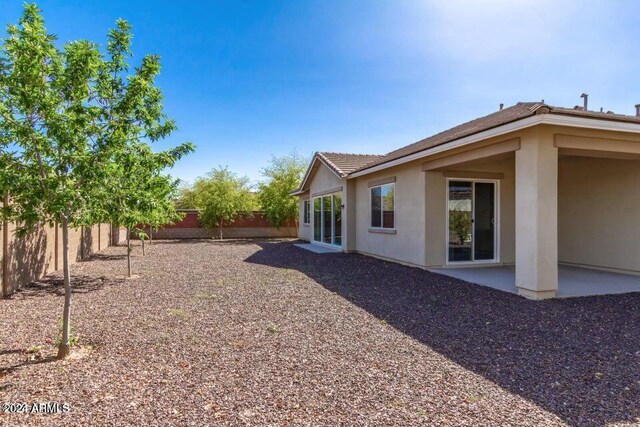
{"points": [[265, 333]]}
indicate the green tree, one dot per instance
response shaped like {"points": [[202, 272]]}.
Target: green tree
{"points": [[283, 176], [51, 158], [221, 197], [185, 197], [67, 118], [139, 192]]}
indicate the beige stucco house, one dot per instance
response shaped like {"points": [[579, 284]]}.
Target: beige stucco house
{"points": [[531, 187]]}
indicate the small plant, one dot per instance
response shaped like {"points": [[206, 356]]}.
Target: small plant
{"points": [[272, 329], [35, 349], [74, 338]]}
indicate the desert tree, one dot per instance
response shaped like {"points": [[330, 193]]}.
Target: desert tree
{"points": [[51, 156], [283, 176], [140, 192], [66, 115], [222, 197], [185, 197]]}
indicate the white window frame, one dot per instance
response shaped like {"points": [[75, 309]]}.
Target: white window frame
{"points": [[382, 227], [496, 234], [333, 231], [306, 211]]}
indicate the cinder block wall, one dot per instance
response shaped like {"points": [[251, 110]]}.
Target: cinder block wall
{"points": [[255, 226], [25, 259]]}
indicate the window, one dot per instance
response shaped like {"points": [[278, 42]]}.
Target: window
{"points": [[327, 219], [306, 214], [382, 206]]}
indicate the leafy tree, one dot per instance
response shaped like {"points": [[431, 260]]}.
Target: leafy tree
{"points": [[274, 195], [67, 117], [140, 192], [222, 197], [51, 158], [185, 197], [460, 223]]}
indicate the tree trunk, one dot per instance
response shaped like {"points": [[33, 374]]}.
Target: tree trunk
{"points": [[128, 252], [220, 228], [150, 234], [142, 246], [65, 347]]}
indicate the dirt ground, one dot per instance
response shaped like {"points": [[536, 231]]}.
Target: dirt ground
{"points": [[265, 333]]}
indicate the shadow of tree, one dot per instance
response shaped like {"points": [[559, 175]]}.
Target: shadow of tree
{"points": [[13, 367], [54, 284], [578, 358], [26, 258], [105, 257]]}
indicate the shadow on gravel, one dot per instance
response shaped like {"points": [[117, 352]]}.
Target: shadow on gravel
{"points": [[578, 358], [55, 285], [230, 242], [105, 257]]}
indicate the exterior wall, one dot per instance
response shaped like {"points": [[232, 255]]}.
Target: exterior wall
{"points": [[227, 233], [189, 227], [598, 202], [322, 180], [25, 259], [598, 212], [407, 244], [436, 209], [304, 230]]}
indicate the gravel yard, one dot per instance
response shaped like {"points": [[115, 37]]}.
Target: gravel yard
{"points": [[265, 333]]}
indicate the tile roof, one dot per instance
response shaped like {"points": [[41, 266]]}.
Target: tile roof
{"points": [[516, 112], [343, 164], [510, 114]]}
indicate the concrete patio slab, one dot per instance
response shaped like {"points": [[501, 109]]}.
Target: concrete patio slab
{"points": [[572, 281], [319, 249]]}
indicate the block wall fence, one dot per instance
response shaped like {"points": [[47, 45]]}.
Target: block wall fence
{"points": [[254, 226], [29, 258], [25, 259]]}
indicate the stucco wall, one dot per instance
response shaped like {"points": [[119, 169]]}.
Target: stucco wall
{"points": [[28, 258], [407, 245], [599, 212], [436, 208], [324, 179], [304, 230]]}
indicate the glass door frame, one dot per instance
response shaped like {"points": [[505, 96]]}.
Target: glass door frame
{"points": [[496, 233], [322, 223]]}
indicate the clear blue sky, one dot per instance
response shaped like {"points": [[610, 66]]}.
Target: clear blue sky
{"points": [[249, 79]]}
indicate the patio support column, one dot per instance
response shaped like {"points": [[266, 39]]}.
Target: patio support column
{"points": [[537, 215]]}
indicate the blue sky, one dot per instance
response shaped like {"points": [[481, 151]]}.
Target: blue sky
{"points": [[249, 79]]}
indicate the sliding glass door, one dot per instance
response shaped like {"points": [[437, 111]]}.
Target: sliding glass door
{"points": [[327, 219], [471, 221]]}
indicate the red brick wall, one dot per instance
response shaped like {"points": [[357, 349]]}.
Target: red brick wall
{"points": [[255, 226], [258, 219]]}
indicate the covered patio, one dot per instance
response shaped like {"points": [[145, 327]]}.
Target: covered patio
{"points": [[560, 219], [572, 281]]}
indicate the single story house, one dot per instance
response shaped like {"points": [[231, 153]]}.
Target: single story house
{"points": [[530, 187]]}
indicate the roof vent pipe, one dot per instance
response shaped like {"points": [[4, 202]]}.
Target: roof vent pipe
{"points": [[637, 110], [586, 99], [501, 106]]}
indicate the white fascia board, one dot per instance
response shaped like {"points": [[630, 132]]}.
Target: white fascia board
{"points": [[550, 119]]}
